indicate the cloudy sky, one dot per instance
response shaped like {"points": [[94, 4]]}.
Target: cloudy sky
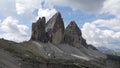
{"points": [[99, 20]]}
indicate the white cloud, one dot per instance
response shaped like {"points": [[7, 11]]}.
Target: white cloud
{"points": [[48, 13], [113, 24], [95, 33], [19, 8], [24, 6], [7, 7], [112, 7], [103, 32], [89, 6], [12, 30]]}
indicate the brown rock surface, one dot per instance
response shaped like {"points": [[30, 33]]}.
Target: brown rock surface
{"points": [[55, 32], [38, 30], [73, 35], [55, 29]]}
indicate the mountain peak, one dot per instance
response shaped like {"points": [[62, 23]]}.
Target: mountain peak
{"points": [[58, 14], [73, 23], [38, 29], [73, 28], [54, 31]]}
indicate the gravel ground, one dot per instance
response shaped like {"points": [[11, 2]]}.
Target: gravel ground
{"points": [[7, 60]]}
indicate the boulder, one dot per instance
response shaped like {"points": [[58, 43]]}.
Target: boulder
{"points": [[55, 29]]}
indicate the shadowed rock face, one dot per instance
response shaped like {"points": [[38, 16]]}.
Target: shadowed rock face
{"points": [[55, 29], [73, 35], [54, 32], [38, 30]]}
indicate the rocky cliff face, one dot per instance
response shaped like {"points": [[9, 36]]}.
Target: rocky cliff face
{"points": [[38, 30], [54, 31], [73, 35]]}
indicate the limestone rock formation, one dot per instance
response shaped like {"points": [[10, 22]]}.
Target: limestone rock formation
{"points": [[73, 35], [55, 32], [38, 30], [55, 29]]}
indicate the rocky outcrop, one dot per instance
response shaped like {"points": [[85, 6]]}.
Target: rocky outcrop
{"points": [[54, 32], [55, 29], [92, 47], [38, 30], [73, 35]]}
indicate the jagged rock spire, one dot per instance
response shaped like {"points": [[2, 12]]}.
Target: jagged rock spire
{"points": [[55, 29], [52, 31], [38, 30], [73, 35], [73, 29]]}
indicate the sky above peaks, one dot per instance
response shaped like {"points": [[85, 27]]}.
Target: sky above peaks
{"points": [[99, 20]]}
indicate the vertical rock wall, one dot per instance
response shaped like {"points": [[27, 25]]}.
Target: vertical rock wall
{"points": [[54, 32]]}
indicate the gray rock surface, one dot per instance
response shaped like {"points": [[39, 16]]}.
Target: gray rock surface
{"points": [[38, 30], [35, 54], [55, 32], [73, 35], [55, 29], [7, 60]]}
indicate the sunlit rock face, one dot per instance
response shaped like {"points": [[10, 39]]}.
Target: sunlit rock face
{"points": [[55, 29]]}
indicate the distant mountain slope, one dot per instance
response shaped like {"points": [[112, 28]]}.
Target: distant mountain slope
{"points": [[109, 51]]}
